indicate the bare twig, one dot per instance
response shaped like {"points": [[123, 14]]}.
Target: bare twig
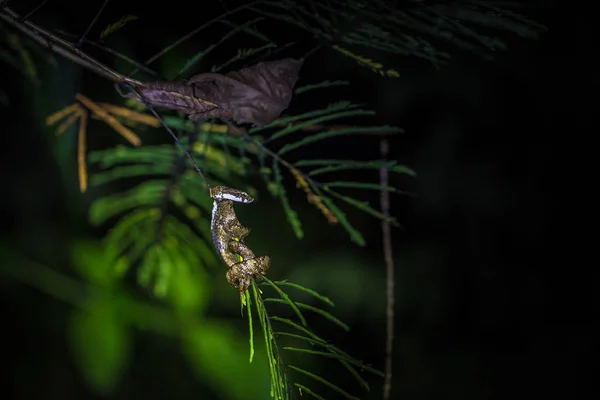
{"points": [[30, 13], [62, 47], [389, 263], [81, 40]]}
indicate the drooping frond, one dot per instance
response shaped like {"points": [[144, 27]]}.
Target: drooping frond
{"points": [[412, 29], [148, 230], [298, 332]]}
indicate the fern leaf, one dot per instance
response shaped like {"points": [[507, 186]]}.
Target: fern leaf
{"points": [[324, 381], [303, 389], [286, 299], [331, 108], [355, 235], [279, 388], [364, 206], [359, 185], [324, 313], [337, 132], [252, 32], [304, 289], [250, 327], [342, 165], [145, 194], [374, 66], [312, 197], [129, 171], [296, 127], [302, 329], [196, 58], [112, 28], [343, 360], [320, 85], [289, 212]]}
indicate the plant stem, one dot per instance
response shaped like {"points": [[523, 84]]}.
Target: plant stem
{"points": [[389, 263], [62, 47]]}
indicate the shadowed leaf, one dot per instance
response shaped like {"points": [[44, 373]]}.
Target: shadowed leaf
{"points": [[257, 94]]}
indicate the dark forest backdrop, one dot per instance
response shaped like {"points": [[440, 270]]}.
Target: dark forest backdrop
{"points": [[480, 312]]}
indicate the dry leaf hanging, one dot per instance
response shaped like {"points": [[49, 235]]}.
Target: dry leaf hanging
{"points": [[256, 94]]}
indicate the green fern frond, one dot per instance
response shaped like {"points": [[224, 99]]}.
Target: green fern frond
{"points": [[291, 214], [303, 389], [329, 110], [364, 206], [337, 132], [343, 165], [309, 291], [320, 311], [112, 28], [320, 85], [276, 366], [330, 117], [324, 381], [367, 62], [359, 185], [355, 235], [408, 31]]}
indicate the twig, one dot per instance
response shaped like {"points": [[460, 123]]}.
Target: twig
{"points": [[63, 47], [81, 40], [389, 263], [30, 13], [192, 33]]}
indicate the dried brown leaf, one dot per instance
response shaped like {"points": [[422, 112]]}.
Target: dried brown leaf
{"points": [[256, 94]]}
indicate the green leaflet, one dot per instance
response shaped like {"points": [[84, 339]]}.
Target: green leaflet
{"points": [[278, 381], [129, 171], [194, 60], [337, 132], [359, 185], [355, 235], [117, 25], [320, 311], [145, 194], [125, 155], [340, 358], [250, 31], [286, 299], [313, 293], [304, 389], [324, 381], [320, 85], [331, 108], [342, 165], [295, 128], [364, 206], [289, 212]]}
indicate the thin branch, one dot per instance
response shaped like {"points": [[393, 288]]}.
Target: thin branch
{"points": [[63, 47], [389, 263], [80, 41], [30, 13], [192, 33]]}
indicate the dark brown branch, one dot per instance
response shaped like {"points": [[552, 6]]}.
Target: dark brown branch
{"points": [[62, 47], [389, 264]]}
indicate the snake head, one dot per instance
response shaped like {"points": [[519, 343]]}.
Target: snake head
{"points": [[227, 193]]}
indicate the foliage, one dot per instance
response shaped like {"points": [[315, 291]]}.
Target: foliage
{"points": [[158, 228]]}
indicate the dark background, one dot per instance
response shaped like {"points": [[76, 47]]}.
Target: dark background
{"points": [[483, 295]]}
